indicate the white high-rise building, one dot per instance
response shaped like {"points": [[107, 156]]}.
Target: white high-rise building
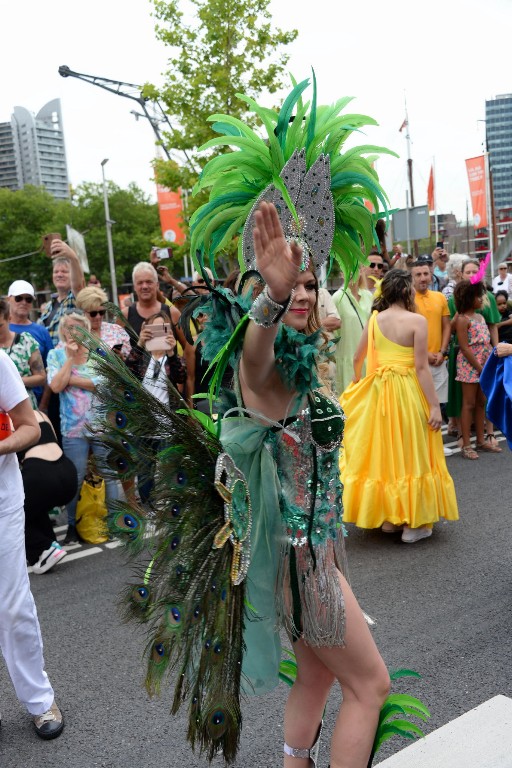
{"points": [[32, 150]]}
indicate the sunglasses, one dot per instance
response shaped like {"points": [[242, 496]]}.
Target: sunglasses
{"points": [[28, 299], [373, 265], [95, 312]]}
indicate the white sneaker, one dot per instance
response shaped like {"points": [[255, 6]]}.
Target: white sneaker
{"points": [[447, 451], [411, 535], [49, 558]]}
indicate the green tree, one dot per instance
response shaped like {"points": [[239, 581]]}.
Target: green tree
{"points": [[228, 48], [27, 214], [135, 231]]}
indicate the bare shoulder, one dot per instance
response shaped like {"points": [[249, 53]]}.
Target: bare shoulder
{"points": [[418, 321]]}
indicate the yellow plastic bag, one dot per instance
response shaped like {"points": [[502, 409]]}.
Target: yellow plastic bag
{"points": [[91, 511]]}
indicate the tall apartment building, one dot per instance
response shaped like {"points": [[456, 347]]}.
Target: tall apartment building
{"points": [[32, 150], [498, 127]]}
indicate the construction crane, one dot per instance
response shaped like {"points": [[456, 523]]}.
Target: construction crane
{"points": [[135, 93]]}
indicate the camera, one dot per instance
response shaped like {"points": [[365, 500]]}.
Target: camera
{"points": [[163, 253]]}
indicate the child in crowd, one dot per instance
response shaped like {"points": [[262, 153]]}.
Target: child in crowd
{"points": [[505, 326], [474, 349]]}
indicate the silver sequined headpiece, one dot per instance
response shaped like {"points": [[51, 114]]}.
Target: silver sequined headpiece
{"points": [[310, 193]]}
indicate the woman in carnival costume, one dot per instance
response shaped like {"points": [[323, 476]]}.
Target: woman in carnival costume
{"points": [[248, 535], [307, 588]]}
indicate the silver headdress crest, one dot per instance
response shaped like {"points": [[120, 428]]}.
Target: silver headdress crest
{"points": [[311, 224]]}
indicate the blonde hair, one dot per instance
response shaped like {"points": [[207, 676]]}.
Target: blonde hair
{"points": [[454, 265], [196, 276], [89, 298], [78, 317]]}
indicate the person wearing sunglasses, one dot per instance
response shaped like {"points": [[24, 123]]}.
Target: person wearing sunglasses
{"points": [[24, 352], [199, 283], [374, 270], [21, 297], [92, 300]]}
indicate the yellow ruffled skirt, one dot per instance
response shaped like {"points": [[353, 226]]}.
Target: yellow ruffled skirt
{"points": [[392, 464]]}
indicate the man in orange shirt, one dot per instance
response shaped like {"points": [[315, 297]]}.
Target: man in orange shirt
{"points": [[434, 308]]}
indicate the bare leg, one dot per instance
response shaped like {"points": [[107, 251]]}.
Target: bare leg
{"points": [[466, 416], [306, 703], [479, 415], [364, 681]]}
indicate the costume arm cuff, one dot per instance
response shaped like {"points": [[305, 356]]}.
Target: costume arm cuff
{"points": [[267, 312]]}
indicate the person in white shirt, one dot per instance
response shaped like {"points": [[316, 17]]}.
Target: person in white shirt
{"points": [[20, 635], [503, 280]]}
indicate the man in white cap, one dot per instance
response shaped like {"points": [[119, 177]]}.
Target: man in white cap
{"points": [[21, 299]]}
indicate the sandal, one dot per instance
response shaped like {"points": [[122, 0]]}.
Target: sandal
{"points": [[467, 452], [490, 443], [489, 447]]}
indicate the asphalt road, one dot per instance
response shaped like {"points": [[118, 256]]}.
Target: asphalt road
{"points": [[443, 607]]}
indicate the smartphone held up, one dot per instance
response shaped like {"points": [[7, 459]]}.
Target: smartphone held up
{"points": [[158, 340], [163, 253], [48, 240]]}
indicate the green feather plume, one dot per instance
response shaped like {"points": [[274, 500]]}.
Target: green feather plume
{"points": [[257, 160]]}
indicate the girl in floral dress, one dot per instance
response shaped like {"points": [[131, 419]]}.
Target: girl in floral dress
{"points": [[475, 347]]}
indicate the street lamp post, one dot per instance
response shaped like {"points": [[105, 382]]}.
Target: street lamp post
{"points": [[108, 223]]}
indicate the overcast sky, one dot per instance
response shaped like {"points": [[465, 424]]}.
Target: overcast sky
{"points": [[444, 58]]}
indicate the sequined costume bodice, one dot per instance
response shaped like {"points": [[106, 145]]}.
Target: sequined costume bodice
{"points": [[296, 537], [310, 484]]}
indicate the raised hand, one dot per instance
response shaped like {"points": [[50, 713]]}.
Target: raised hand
{"points": [[72, 350], [278, 262]]}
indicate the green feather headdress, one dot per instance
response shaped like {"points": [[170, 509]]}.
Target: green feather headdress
{"points": [[302, 138]]}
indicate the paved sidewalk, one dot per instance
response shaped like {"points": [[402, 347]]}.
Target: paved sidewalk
{"points": [[481, 738]]}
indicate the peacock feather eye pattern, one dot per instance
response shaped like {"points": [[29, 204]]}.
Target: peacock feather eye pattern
{"points": [[217, 723], [173, 618]]}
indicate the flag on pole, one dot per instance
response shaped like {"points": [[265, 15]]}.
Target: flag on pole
{"points": [[404, 125], [170, 207], [430, 191], [475, 167]]}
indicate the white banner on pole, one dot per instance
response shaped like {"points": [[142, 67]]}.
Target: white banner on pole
{"points": [[76, 241]]}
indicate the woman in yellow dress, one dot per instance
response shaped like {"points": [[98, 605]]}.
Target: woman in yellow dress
{"points": [[392, 464]]}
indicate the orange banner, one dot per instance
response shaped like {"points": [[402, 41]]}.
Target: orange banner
{"points": [[170, 208], [430, 191], [476, 176]]}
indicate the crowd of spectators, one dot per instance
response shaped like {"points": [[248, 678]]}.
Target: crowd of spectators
{"points": [[60, 379]]}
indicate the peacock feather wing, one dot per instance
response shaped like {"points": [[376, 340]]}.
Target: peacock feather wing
{"points": [[190, 549]]}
